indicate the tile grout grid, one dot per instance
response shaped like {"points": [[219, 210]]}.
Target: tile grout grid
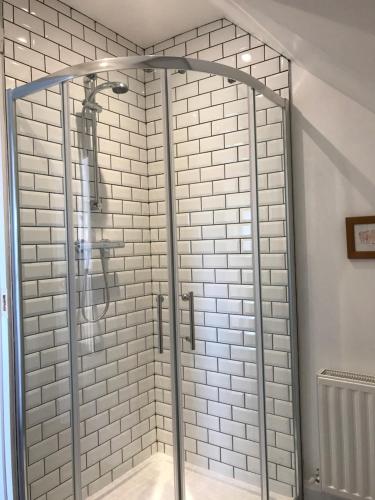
{"points": [[124, 383]]}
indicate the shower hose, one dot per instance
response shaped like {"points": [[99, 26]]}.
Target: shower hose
{"points": [[94, 318]]}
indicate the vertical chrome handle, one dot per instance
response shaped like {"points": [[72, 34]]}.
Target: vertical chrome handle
{"points": [[159, 302], [190, 297]]}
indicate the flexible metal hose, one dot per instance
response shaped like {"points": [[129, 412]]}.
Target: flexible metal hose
{"points": [[106, 290]]}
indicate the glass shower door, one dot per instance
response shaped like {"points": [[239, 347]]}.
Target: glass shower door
{"points": [[122, 317], [215, 273], [44, 354]]}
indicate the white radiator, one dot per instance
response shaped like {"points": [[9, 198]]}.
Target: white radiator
{"points": [[346, 403]]}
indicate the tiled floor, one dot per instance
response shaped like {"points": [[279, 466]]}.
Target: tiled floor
{"points": [[153, 480]]}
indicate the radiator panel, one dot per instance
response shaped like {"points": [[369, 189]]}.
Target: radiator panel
{"points": [[346, 403]]}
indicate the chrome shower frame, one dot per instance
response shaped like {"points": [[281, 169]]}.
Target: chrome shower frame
{"points": [[163, 63]]}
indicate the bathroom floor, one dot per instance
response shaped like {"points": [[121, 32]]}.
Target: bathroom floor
{"points": [[153, 480]]}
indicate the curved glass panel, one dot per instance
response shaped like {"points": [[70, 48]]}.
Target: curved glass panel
{"points": [[219, 372], [118, 313], [276, 297]]}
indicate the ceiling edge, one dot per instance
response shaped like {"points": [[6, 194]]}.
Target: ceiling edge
{"points": [[187, 31], [236, 14]]}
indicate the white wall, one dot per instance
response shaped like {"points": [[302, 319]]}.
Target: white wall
{"points": [[333, 148]]}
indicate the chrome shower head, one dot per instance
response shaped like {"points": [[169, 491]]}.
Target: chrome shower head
{"points": [[117, 88]]}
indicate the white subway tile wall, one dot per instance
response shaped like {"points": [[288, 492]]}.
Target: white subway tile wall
{"points": [[116, 365], [125, 397], [44, 286], [214, 244]]}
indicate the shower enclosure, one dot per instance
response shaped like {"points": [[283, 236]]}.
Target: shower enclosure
{"points": [[153, 283]]}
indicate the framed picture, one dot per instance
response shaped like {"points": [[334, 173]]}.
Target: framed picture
{"points": [[360, 237]]}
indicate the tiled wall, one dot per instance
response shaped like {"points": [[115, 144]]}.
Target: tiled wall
{"points": [[215, 262], [44, 269], [116, 362], [125, 406]]}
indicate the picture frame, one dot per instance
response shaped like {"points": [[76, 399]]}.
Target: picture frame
{"points": [[360, 237]]}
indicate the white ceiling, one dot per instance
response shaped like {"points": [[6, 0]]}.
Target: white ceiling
{"points": [[146, 22]]}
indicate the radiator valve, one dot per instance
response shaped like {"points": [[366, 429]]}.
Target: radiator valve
{"points": [[315, 479]]}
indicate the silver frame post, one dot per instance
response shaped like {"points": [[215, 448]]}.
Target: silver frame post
{"points": [[17, 309], [9, 488], [257, 280], [292, 288], [174, 323], [72, 307]]}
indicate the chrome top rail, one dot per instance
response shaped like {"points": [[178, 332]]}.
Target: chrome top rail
{"points": [[145, 62]]}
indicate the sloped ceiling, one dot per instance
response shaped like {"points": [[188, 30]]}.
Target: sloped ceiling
{"points": [[146, 22], [334, 40]]}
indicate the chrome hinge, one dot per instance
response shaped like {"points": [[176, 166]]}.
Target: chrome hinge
{"points": [[4, 302]]}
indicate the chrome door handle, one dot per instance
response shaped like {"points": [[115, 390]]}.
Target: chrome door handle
{"points": [[190, 298], [159, 302]]}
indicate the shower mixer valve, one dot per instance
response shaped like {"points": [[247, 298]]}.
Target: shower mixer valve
{"points": [[84, 249]]}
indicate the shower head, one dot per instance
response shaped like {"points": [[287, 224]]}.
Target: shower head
{"points": [[117, 88]]}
